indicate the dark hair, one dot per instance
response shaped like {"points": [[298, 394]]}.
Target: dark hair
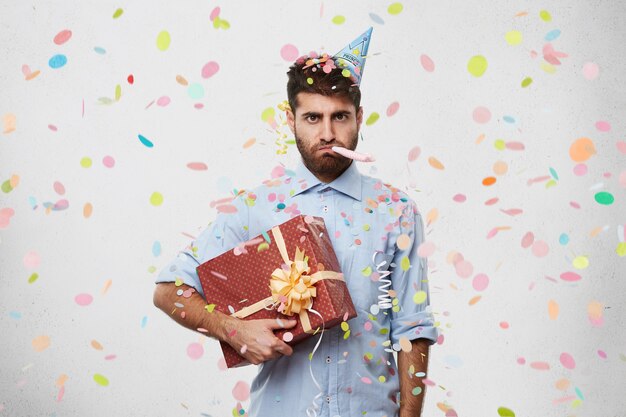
{"points": [[313, 68]]}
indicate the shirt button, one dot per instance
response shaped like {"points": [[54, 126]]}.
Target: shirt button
{"points": [[328, 360], [328, 399], [325, 209]]}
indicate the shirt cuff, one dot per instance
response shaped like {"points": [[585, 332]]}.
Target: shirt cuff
{"points": [[420, 325]]}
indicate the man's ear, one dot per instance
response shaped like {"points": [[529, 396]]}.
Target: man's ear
{"points": [[359, 117], [291, 120]]}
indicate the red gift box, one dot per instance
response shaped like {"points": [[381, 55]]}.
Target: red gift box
{"points": [[281, 273]]}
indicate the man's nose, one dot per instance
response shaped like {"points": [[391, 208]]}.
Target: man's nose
{"points": [[328, 132]]}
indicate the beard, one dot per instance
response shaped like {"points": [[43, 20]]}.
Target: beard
{"points": [[325, 164]]}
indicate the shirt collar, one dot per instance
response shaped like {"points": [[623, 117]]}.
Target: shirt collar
{"points": [[349, 182]]}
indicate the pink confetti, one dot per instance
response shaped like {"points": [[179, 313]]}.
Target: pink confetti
{"points": [[214, 13], [540, 366], [512, 212], [62, 37], [492, 232], [5, 217], [368, 326], [459, 198], [108, 161], [287, 337], [220, 276], [540, 248], [427, 63], [591, 70], [195, 351], [492, 201], [278, 171], [163, 101], [570, 276], [197, 166], [464, 268], [580, 169], [521, 360], [83, 299], [110, 357], [366, 380], [221, 364], [393, 108], [241, 391], [414, 153], [226, 208], [528, 240], [567, 360], [481, 115], [515, 146], [621, 146], [32, 260], [603, 126], [602, 354], [52, 127], [504, 325], [198, 106], [480, 282], [61, 392], [289, 52], [426, 249], [210, 69], [58, 188]]}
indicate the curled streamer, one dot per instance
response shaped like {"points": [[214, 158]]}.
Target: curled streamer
{"points": [[311, 411], [384, 299]]}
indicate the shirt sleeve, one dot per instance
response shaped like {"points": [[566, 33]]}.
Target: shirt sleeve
{"points": [[227, 231], [411, 312]]}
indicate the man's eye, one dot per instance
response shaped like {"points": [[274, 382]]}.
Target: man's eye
{"points": [[340, 117], [311, 118]]}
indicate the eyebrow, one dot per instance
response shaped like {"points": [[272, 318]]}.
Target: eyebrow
{"points": [[317, 114]]}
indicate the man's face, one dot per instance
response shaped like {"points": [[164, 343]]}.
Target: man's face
{"points": [[319, 123]]}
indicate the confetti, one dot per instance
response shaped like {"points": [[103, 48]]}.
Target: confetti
{"points": [[57, 61], [195, 351], [427, 63], [289, 52], [83, 299], [163, 40], [9, 121], [101, 380], [477, 65], [339, 20], [567, 360], [210, 69], [393, 108], [505, 412], [513, 37], [372, 119], [5, 217], [156, 199], [41, 343], [241, 391], [395, 8], [62, 37]]}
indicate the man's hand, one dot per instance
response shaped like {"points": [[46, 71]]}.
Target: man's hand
{"points": [[255, 339]]}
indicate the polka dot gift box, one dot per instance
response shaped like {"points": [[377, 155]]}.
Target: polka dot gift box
{"points": [[290, 271]]}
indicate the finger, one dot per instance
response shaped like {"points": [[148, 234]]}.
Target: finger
{"points": [[284, 348], [282, 323]]}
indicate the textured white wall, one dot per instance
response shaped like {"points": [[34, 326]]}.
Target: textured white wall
{"points": [[481, 365]]}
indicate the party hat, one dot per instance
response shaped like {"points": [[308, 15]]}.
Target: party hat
{"points": [[352, 57]]}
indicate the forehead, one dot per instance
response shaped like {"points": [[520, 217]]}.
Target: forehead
{"points": [[318, 103]]}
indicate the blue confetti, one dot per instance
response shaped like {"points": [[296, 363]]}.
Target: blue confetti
{"points": [[144, 321], [156, 248], [552, 35], [267, 237], [145, 141], [377, 19], [554, 174], [579, 393], [564, 239], [509, 119], [100, 50], [15, 315], [57, 61]]}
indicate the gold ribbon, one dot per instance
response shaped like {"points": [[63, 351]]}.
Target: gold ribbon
{"points": [[292, 289]]}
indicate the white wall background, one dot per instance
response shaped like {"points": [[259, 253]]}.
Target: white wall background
{"points": [[480, 365]]}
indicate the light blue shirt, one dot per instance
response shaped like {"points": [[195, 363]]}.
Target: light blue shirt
{"points": [[357, 372]]}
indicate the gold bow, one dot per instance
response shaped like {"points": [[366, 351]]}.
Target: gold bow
{"points": [[293, 289]]}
